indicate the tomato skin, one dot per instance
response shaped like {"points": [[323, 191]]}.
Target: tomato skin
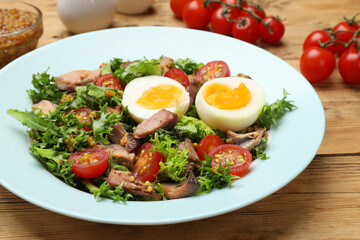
{"points": [[178, 75], [349, 66], [195, 15], [312, 40], [109, 81], [219, 24], [147, 165], [248, 32], [344, 36], [231, 152], [207, 144], [177, 6], [317, 64], [277, 28], [89, 169], [211, 70]]}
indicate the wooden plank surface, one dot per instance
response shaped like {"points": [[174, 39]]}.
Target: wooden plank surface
{"points": [[323, 202]]}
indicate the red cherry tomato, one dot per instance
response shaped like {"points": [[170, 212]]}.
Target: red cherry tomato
{"points": [[239, 158], [349, 66], [247, 31], [219, 24], [147, 165], [178, 75], [177, 6], [320, 35], [276, 27], [211, 70], [317, 64], [195, 15], [83, 115], [109, 81], [207, 144], [89, 163], [345, 34]]}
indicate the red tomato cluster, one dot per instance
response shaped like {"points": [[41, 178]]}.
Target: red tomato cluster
{"points": [[242, 20], [318, 60]]}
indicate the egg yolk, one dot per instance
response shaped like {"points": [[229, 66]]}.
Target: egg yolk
{"points": [[223, 97], [160, 96]]}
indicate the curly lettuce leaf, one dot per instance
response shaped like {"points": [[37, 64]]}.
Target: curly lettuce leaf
{"points": [[210, 179], [45, 88], [187, 65], [271, 114], [192, 128], [174, 165]]}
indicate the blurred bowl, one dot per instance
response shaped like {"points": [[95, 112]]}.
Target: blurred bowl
{"points": [[81, 16], [133, 6], [21, 27]]}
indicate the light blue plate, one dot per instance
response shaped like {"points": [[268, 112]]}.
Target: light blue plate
{"points": [[294, 143]]}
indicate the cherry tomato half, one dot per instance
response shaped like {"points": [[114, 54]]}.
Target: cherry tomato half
{"points": [[349, 66], [317, 64], [211, 70], [195, 15], [239, 158], [83, 115], [177, 7], [89, 163], [247, 30], [320, 35], [147, 165], [178, 75], [344, 34], [207, 144], [276, 27], [109, 81]]}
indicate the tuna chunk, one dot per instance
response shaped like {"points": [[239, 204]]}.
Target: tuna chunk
{"points": [[193, 88], [119, 154], [183, 189], [45, 106], [69, 81], [162, 119], [119, 136], [131, 185], [193, 158], [166, 63], [246, 140]]}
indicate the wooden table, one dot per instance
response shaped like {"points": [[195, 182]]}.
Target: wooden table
{"points": [[322, 203]]}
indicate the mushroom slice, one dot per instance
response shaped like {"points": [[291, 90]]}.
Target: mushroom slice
{"points": [[183, 189]]}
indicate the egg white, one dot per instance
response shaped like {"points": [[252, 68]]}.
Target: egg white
{"points": [[134, 90], [234, 119]]}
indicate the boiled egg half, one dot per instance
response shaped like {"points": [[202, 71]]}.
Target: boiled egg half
{"points": [[231, 103], [145, 96]]}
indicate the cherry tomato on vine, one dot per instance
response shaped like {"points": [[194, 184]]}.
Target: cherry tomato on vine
{"points": [[247, 30], [239, 158], [211, 70], [207, 144], [219, 24], [195, 15], [147, 165], [345, 33], [320, 35], [277, 28], [109, 81], [177, 6], [178, 75], [89, 163], [349, 66], [317, 64]]}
